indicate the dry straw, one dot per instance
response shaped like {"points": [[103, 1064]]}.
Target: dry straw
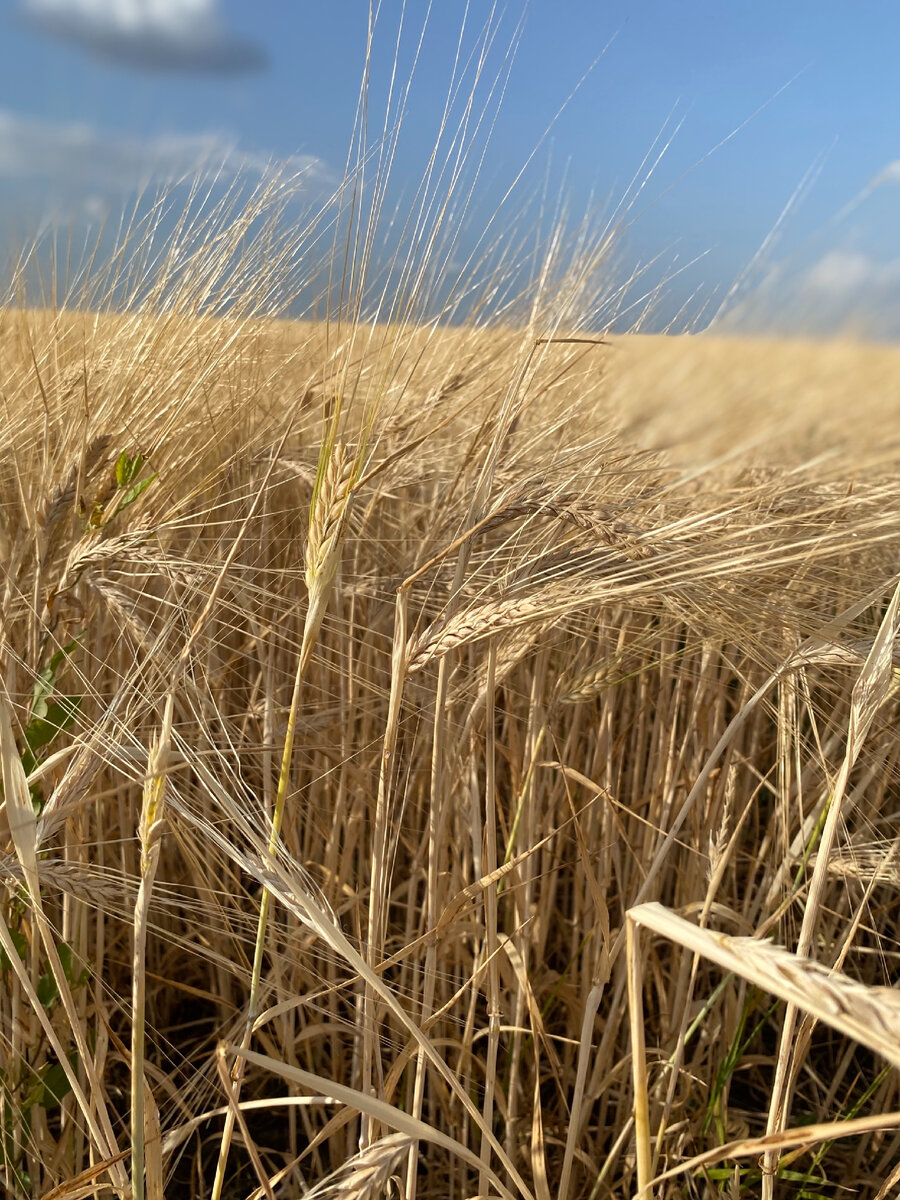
{"points": [[869, 1015]]}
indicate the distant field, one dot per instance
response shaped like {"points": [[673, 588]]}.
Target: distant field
{"points": [[358, 683], [706, 396]]}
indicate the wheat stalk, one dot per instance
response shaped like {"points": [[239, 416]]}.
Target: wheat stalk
{"points": [[870, 691], [22, 824], [328, 520]]}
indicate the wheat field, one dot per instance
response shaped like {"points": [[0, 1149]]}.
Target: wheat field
{"points": [[439, 758]]}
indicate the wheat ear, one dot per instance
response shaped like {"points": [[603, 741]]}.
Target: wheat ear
{"points": [[366, 1175], [150, 831], [472, 625], [870, 1015]]}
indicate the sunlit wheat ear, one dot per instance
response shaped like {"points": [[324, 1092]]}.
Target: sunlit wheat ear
{"points": [[869, 864], [61, 501], [327, 524], [572, 510], [145, 1130], [473, 625], [589, 684]]}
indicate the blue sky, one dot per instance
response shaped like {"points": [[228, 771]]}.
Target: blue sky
{"points": [[98, 95]]}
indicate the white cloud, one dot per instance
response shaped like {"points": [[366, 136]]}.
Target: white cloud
{"points": [[844, 292], [168, 35], [889, 174], [846, 273], [839, 272], [82, 157], [60, 174]]}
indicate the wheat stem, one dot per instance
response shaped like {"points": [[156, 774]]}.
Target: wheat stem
{"points": [[328, 519]]}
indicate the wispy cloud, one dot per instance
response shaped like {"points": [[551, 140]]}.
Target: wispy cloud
{"points": [[83, 155], [889, 174], [844, 274], [842, 280], [843, 292], [155, 35], [79, 170]]}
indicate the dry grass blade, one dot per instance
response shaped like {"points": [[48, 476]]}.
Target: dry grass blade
{"points": [[409, 1127], [23, 831], [20, 816], [265, 1185], [83, 1184], [870, 1015], [638, 1060], [870, 691], [787, 1139]]}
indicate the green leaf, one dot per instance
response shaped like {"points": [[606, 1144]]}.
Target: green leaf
{"points": [[133, 492], [128, 468], [46, 680], [53, 1086], [74, 970], [21, 944], [58, 715], [47, 991], [76, 973]]}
